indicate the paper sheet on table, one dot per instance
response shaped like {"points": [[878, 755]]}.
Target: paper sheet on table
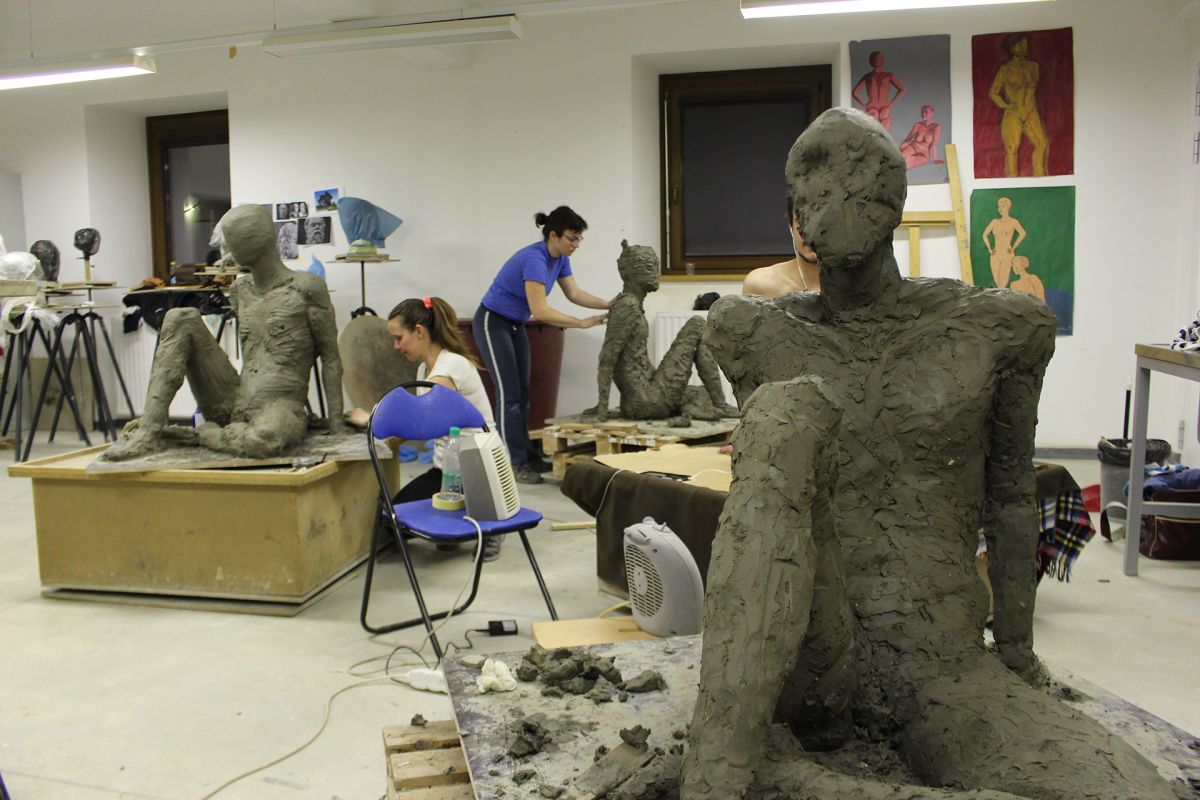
{"points": [[705, 466]]}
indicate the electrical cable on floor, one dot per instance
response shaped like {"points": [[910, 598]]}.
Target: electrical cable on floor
{"points": [[425, 677], [612, 608], [311, 739], [470, 578]]}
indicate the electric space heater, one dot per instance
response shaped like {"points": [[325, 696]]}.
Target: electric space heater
{"points": [[665, 590], [487, 477]]}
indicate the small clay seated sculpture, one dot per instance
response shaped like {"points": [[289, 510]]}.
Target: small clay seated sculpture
{"points": [[886, 421], [285, 321], [648, 393]]}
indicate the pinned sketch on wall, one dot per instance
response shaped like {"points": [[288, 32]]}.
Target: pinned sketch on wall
{"points": [[314, 230], [905, 84], [1024, 239], [286, 239], [1024, 88], [326, 200], [297, 209]]}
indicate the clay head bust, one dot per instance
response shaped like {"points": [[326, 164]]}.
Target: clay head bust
{"points": [[638, 265], [248, 233], [847, 181], [87, 241], [47, 255]]}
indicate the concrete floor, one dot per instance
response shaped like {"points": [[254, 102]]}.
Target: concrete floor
{"points": [[104, 701]]}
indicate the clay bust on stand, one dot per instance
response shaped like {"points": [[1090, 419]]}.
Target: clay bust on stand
{"points": [[649, 393], [285, 321], [87, 242], [885, 421], [47, 255]]}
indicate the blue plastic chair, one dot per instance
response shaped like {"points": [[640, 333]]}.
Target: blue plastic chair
{"points": [[407, 416]]}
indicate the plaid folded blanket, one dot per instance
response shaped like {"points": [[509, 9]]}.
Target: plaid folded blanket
{"points": [[1066, 529]]}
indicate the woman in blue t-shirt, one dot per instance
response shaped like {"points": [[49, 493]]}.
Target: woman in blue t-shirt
{"points": [[517, 295]]}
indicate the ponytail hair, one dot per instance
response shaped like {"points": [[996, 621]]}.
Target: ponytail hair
{"points": [[438, 318], [560, 220]]}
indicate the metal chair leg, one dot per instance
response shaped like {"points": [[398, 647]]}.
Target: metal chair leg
{"points": [[537, 573], [426, 618]]}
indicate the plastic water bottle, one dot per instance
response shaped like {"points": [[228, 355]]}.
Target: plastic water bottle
{"points": [[451, 473]]}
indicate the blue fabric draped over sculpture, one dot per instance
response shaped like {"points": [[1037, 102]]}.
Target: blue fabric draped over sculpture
{"points": [[365, 220]]}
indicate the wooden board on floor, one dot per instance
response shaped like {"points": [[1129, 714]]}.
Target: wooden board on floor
{"points": [[426, 762], [593, 630]]}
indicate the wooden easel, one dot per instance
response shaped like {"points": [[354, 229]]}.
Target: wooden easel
{"points": [[913, 221]]}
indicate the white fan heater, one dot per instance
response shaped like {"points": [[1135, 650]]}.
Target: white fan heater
{"points": [[665, 590], [487, 475]]}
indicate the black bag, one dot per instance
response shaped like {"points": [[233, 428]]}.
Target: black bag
{"points": [[1171, 538]]}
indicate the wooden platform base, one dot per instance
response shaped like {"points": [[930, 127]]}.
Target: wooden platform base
{"points": [[229, 605], [266, 538], [568, 440], [426, 762]]}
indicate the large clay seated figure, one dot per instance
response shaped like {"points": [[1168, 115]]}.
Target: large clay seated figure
{"points": [[885, 422], [648, 393], [285, 321]]}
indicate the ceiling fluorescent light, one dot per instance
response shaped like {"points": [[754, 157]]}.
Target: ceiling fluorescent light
{"points": [[49, 74], [757, 9], [457, 31]]}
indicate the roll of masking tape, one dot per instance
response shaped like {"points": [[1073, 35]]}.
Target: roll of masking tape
{"points": [[449, 501]]}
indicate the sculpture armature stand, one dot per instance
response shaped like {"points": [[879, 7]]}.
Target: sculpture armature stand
{"points": [[646, 392], [842, 594], [285, 321]]}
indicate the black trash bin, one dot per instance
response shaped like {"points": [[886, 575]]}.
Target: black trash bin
{"points": [[1114, 455]]}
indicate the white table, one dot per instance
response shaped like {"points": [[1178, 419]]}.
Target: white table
{"points": [[1181, 364]]}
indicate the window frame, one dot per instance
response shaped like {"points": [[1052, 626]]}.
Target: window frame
{"points": [[809, 84], [163, 133]]}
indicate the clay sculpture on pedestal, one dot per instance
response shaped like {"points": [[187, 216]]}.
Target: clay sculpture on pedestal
{"points": [[648, 393], [285, 321]]}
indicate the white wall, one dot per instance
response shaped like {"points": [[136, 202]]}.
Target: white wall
{"points": [[569, 114], [12, 212]]}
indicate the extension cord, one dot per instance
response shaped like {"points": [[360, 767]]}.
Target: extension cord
{"points": [[425, 679]]}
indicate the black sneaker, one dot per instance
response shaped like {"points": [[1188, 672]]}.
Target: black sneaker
{"points": [[491, 547], [526, 474], [540, 465]]}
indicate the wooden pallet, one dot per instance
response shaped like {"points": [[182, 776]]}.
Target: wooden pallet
{"points": [[568, 440], [426, 762]]}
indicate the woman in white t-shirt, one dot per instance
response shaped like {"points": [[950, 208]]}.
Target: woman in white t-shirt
{"points": [[426, 330]]}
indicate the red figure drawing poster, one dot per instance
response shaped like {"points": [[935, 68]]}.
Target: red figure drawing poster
{"points": [[1024, 87]]}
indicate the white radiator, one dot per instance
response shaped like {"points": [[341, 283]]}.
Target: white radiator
{"points": [[135, 354], [667, 325]]}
